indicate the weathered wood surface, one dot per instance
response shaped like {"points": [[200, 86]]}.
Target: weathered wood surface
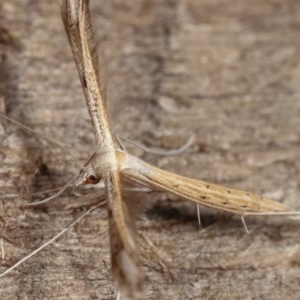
{"points": [[227, 72]]}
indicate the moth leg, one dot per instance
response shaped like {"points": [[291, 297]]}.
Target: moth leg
{"points": [[199, 216], [158, 151], [245, 225], [154, 251]]}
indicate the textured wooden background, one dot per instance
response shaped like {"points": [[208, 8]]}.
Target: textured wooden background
{"points": [[227, 72]]}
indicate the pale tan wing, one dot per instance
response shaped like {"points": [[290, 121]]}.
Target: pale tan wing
{"points": [[124, 253], [70, 16], [76, 19], [123, 250], [198, 191]]}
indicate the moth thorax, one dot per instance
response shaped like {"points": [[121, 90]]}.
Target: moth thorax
{"points": [[104, 162]]}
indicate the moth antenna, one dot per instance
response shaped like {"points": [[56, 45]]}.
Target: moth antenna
{"points": [[51, 240], [158, 151], [41, 136]]}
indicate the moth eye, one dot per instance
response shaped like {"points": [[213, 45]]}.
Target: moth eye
{"points": [[91, 179]]}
